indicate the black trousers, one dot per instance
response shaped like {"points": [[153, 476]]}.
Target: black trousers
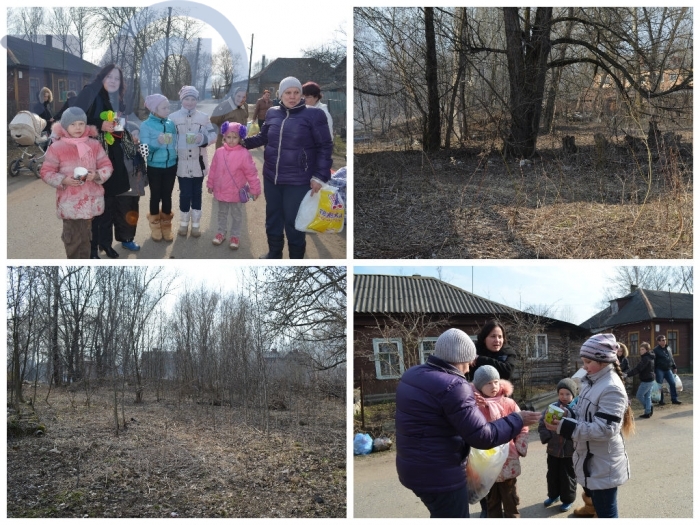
{"points": [[561, 478], [121, 215], [454, 504], [161, 182]]}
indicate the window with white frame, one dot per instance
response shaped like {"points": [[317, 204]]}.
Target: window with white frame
{"points": [[541, 348], [388, 358], [427, 347]]}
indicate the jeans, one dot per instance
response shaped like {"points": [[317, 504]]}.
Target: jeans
{"points": [[644, 395], [453, 504], [281, 206], [190, 193], [605, 502], [668, 376]]}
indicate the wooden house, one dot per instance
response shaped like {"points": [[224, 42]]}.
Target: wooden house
{"points": [[397, 320], [642, 315]]}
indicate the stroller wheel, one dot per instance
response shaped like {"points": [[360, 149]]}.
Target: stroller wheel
{"points": [[35, 167], [15, 166]]}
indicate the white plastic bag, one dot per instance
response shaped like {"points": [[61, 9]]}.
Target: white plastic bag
{"points": [[679, 384], [655, 392], [323, 212], [483, 467]]}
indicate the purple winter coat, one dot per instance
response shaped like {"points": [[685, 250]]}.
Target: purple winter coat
{"points": [[437, 420], [298, 145]]}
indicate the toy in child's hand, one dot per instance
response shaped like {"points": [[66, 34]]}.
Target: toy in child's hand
{"points": [[109, 116]]}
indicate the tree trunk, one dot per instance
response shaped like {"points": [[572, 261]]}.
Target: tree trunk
{"points": [[527, 51], [55, 352], [459, 64], [431, 133]]}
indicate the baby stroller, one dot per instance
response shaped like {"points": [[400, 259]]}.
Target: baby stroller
{"points": [[26, 130]]}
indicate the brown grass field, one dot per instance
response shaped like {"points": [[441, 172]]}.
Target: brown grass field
{"points": [[473, 203], [184, 460]]}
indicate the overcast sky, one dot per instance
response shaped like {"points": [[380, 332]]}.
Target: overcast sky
{"points": [[575, 289]]}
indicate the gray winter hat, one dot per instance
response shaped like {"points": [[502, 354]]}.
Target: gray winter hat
{"points": [[71, 115], [485, 374], [569, 384], [454, 346], [289, 82]]}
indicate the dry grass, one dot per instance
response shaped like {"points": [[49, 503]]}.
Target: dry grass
{"points": [[187, 461], [470, 203]]}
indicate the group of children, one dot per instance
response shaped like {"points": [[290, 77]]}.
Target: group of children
{"points": [[586, 446], [77, 165]]}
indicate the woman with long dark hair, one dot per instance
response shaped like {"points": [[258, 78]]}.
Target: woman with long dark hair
{"points": [[104, 95]]}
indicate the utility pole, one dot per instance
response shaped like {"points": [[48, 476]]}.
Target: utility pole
{"points": [[250, 63]]}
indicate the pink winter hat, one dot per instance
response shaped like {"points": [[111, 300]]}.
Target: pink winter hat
{"points": [[236, 127], [153, 100]]}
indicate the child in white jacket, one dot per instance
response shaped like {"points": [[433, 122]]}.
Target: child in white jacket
{"points": [[194, 133]]}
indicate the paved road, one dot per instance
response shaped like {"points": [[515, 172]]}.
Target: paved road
{"points": [[34, 231], [661, 485]]}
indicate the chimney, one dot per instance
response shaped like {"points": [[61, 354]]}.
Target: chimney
{"points": [[49, 41], [633, 288], [263, 62]]}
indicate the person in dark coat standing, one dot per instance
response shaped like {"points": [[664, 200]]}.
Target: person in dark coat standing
{"points": [[492, 349], [43, 108], [664, 368], [298, 156], [645, 369], [104, 94], [437, 421]]}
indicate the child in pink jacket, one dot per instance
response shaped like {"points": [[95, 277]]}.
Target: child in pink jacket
{"points": [[78, 200], [232, 170], [491, 394]]}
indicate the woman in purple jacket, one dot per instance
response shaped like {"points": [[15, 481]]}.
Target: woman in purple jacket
{"points": [[297, 156], [437, 420]]}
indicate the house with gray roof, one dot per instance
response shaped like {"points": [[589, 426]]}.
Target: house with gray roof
{"points": [[31, 66], [642, 315], [397, 320]]}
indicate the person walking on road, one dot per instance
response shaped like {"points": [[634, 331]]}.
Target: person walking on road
{"points": [[437, 421], [665, 368], [597, 425], [645, 369]]}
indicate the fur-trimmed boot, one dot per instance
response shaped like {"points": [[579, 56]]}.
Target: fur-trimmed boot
{"points": [[196, 218], [184, 223], [588, 510], [166, 225], [154, 223]]}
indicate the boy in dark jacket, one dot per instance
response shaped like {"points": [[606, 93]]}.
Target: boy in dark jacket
{"points": [[561, 477], [645, 369]]}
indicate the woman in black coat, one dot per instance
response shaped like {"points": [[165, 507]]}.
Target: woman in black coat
{"points": [[492, 349], [106, 93]]}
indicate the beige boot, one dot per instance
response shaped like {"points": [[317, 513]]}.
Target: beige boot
{"points": [[588, 510], [166, 225], [154, 223]]}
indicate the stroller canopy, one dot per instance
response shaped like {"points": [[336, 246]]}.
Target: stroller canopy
{"points": [[26, 128]]}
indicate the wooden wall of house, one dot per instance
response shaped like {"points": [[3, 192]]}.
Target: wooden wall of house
{"points": [[563, 344], [19, 96]]}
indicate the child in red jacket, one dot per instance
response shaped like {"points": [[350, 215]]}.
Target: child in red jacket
{"points": [[77, 166], [232, 170], [491, 395]]}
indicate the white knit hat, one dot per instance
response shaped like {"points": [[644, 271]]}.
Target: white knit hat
{"points": [[289, 82], [454, 346]]}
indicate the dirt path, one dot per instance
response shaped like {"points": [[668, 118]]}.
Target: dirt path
{"points": [[34, 231], [661, 465]]}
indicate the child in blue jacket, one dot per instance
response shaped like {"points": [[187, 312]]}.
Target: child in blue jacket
{"points": [[160, 133]]}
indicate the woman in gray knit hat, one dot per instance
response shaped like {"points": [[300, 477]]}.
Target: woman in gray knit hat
{"points": [[437, 421]]}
